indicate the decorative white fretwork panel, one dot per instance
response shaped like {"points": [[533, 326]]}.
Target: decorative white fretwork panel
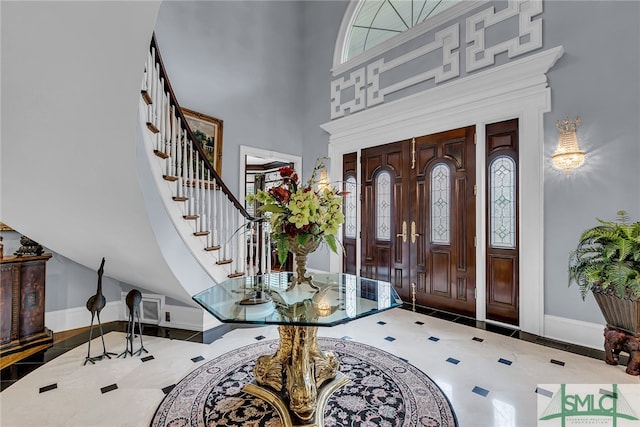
{"points": [[355, 82], [440, 204], [350, 207], [446, 40], [487, 33], [383, 206], [529, 35], [502, 202]]}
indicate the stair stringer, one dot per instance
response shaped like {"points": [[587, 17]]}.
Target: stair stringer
{"points": [[174, 234]]}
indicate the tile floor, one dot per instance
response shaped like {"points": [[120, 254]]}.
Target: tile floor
{"points": [[490, 378]]}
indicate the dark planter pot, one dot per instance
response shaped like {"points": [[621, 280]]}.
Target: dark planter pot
{"points": [[620, 313]]}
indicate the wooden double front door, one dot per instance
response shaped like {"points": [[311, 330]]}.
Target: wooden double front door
{"points": [[418, 218]]}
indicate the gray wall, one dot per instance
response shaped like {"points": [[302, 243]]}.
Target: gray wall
{"points": [[598, 78], [237, 61], [267, 74], [69, 284], [321, 22]]}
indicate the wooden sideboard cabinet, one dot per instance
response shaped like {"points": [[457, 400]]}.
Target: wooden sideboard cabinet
{"points": [[22, 293]]}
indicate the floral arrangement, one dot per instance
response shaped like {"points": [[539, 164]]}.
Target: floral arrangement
{"points": [[300, 213]]}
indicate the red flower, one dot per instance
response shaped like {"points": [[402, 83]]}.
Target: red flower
{"points": [[286, 172], [293, 231], [282, 195]]}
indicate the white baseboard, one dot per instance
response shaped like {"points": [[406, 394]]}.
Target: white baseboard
{"points": [[79, 317], [189, 318], [574, 331]]}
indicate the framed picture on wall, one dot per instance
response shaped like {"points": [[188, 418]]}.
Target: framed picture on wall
{"points": [[207, 131]]}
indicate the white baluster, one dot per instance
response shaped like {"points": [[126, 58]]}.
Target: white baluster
{"points": [[214, 232], [183, 165], [226, 227], [203, 213], [220, 219], [209, 225], [267, 235], [190, 186], [252, 265]]}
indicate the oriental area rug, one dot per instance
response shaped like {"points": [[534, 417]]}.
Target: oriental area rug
{"points": [[384, 391]]}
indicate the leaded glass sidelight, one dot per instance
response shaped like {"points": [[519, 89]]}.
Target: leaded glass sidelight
{"points": [[383, 205], [440, 204], [350, 207], [502, 202]]}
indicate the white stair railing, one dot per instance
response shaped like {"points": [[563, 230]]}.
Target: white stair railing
{"points": [[234, 239]]}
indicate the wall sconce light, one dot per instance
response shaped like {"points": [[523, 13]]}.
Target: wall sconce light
{"points": [[568, 155]]}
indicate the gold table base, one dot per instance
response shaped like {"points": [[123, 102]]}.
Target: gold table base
{"points": [[298, 378], [275, 399]]}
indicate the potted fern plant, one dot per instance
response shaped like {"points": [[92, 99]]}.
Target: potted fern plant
{"points": [[607, 263]]}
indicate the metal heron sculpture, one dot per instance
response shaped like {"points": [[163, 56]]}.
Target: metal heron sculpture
{"points": [[95, 304], [133, 300]]}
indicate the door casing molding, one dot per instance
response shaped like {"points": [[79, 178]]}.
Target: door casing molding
{"points": [[518, 89]]}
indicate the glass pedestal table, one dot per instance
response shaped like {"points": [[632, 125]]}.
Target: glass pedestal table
{"points": [[299, 377]]}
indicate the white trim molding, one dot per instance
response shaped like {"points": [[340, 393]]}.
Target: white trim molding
{"points": [[573, 331], [80, 317], [518, 89], [189, 318]]}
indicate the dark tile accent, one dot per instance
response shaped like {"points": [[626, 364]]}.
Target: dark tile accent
{"points": [[453, 361], [481, 391], [108, 388], [404, 360], [497, 329], [167, 389], [419, 323], [13, 373], [197, 359], [544, 392], [514, 333], [434, 339], [444, 315], [505, 361], [557, 362], [260, 337], [48, 387], [147, 358], [5, 384], [478, 339], [382, 323], [390, 339], [467, 321]]}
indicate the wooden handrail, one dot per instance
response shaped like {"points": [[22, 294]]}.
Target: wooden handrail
{"points": [[187, 129]]}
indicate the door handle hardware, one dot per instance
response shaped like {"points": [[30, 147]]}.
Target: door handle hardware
{"points": [[414, 235], [413, 153], [404, 232]]}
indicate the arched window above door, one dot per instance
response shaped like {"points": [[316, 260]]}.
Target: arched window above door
{"points": [[375, 21]]}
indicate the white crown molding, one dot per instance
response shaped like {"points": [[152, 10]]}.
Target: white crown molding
{"points": [[350, 14]]}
